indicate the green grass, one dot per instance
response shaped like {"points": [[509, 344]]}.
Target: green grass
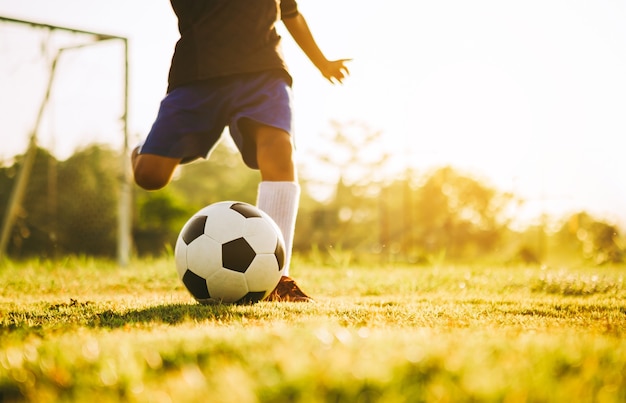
{"points": [[80, 328]]}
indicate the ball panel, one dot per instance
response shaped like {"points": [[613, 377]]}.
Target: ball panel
{"points": [[193, 228], [237, 255], [196, 285], [246, 210], [180, 257], [204, 256], [224, 224], [260, 234], [279, 253], [227, 285], [263, 273], [215, 206], [271, 221]]}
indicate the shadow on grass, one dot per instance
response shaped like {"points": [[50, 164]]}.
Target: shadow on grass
{"points": [[89, 314], [165, 314]]}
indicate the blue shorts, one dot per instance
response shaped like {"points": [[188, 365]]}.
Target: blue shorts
{"points": [[192, 118]]}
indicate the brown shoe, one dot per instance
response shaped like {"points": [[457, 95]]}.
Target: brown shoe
{"points": [[288, 291]]}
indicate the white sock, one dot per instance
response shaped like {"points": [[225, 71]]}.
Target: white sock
{"points": [[280, 200]]}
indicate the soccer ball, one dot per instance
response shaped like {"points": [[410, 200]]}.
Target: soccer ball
{"points": [[230, 252]]}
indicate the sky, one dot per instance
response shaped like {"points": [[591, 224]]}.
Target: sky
{"points": [[527, 96]]}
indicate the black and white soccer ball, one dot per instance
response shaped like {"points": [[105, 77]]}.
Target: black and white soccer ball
{"points": [[230, 252]]}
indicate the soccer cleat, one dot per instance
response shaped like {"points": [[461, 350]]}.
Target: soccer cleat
{"points": [[288, 291]]}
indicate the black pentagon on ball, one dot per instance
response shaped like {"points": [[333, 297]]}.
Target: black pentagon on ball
{"points": [[246, 210], [279, 252], [251, 297], [237, 255], [196, 285], [194, 228]]}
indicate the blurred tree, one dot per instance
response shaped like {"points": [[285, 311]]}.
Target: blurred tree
{"points": [[527, 246], [88, 192], [350, 164], [398, 219], [34, 231], [457, 214], [158, 220], [71, 207], [594, 240]]}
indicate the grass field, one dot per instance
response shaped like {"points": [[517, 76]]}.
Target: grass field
{"points": [[80, 329]]}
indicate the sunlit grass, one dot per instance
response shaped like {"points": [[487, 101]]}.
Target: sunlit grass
{"points": [[79, 328]]}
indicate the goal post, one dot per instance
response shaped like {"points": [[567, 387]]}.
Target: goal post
{"points": [[125, 200]]}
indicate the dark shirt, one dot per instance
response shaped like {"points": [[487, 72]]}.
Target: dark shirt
{"points": [[224, 37]]}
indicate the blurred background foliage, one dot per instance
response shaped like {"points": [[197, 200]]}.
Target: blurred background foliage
{"points": [[356, 212]]}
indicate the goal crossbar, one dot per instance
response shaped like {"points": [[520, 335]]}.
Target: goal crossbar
{"points": [[99, 36]]}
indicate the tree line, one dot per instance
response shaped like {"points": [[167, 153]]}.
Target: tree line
{"points": [[70, 207]]}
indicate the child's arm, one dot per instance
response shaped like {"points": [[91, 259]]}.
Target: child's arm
{"points": [[333, 70]]}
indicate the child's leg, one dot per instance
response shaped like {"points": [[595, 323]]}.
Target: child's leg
{"points": [[151, 171], [280, 201], [274, 151], [279, 192]]}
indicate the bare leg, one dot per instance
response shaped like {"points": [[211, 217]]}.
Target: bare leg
{"points": [[151, 171], [274, 151], [279, 194]]}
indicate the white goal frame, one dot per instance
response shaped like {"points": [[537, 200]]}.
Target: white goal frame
{"points": [[124, 239]]}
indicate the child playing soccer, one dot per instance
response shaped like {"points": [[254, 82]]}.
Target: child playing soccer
{"points": [[228, 70]]}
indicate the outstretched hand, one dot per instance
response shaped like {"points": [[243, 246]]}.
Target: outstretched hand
{"points": [[335, 71]]}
